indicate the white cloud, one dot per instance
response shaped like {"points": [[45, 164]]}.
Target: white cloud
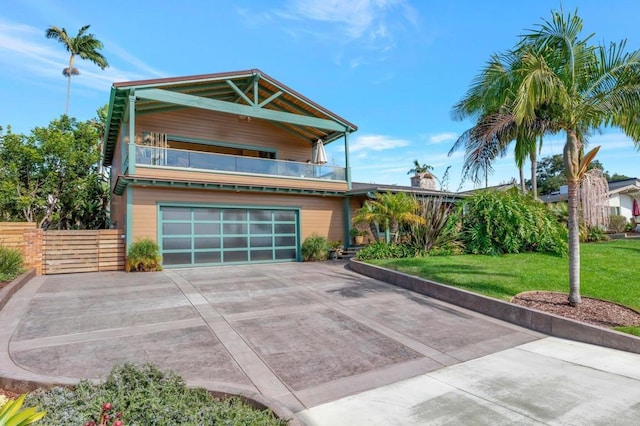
{"points": [[443, 137], [27, 51], [376, 143]]}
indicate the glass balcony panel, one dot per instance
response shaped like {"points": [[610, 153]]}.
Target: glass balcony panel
{"points": [[237, 164]]}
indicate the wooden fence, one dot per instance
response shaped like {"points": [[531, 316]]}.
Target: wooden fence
{"points": [[61, 252], [12, 233]]}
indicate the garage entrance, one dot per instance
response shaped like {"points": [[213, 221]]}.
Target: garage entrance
{"points": [[201, 236]]}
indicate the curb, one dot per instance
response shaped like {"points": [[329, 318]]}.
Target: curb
{"points": [[14, 286], [543, 322]]}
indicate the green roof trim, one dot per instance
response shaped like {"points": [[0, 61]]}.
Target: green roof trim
{"points": [[124, 182]]}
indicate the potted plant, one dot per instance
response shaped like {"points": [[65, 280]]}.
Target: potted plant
{"points": [[335, 249], [358, 236]]}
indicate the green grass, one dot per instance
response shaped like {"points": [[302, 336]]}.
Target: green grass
{"points": [[609, 271]]}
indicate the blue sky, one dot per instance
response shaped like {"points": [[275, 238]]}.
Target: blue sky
{"points": [[395, 68]]}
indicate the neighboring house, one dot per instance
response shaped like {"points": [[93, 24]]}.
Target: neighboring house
{"points": [[621, 196], [218, 168]]}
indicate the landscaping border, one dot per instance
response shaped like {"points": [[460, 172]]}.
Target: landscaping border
{"points": [[14, 286], [543, 322]]}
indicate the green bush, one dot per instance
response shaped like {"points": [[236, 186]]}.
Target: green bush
{"points": [[383, 250], [617, 223], [592, 234], [498, 222], [315, 248], [143, 255], [11, 263], [145, 396]]}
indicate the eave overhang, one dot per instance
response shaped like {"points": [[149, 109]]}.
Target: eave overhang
{"points": [[248, 93], [124, 181]]}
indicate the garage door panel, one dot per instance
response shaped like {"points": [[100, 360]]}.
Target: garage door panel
{"points": [[210, 236]]}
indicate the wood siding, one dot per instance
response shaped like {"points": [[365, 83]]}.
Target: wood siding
{"points": [[215, 126], [321, 215], [240, 179], [83, 251]]}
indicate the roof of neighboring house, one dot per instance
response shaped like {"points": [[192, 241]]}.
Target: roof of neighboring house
{"points": [[249, 93], [627, 185], [359, 188], [501, 187], [631, 185]]}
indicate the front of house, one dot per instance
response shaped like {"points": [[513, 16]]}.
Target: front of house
{"points": [[220, 168]]}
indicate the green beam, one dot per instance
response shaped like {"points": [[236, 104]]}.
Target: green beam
{"points": [[346, 160], [240, 93], [270, 98], [231, 108], [132, 133]]}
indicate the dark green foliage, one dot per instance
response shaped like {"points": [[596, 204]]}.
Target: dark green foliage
{"points": [[617, 223], [383, 250], [53, 176], [145, 396], [11, 263], [498, 222], [143, 255], [315, 248]]}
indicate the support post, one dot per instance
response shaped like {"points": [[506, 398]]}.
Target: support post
{"points": [[346, 160]]}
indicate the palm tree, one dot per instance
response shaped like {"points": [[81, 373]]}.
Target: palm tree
{"points": [[419, 168], [389, 210], [580, 88], [84, 45], [490, 99]]}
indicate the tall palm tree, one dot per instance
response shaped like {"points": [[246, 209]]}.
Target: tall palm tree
{"points": [[586, 87], [84, 45], [580, 88], [490, 99]]}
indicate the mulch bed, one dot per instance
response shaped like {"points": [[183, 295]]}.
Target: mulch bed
{"points": [[592, 311], [9, 394]]}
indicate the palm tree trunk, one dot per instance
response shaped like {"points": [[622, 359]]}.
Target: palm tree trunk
{"points": [[533, 156], [521, 170], [571, 165], [66, 108]]}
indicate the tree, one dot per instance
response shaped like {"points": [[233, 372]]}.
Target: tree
{"points": [[419, 168], [389, 210], [51, 176], [583, 87], [551, 175], [84, 45]]}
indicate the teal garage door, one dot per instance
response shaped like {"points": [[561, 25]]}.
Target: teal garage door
{"points": [[200, 236]]}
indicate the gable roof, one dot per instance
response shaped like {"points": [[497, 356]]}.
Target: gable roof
{"points": [[249, 93], [360, 188]]}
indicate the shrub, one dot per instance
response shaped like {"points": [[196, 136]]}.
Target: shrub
{"points": [[617, 223], [145, 396], [438, 227], [11, 263], [315, 248], [143, 255], [383, 250], [498, 222], [592, 234]]}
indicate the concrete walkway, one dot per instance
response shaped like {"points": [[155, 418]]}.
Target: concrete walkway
{"points": [[311, 336]]}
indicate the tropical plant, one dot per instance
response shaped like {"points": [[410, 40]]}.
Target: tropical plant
{"points": [[314, 247], [498, 222], [580, 87], [84, 45], [385, 250], [11, 263], [438, 228], [12, 415], [419, 168], [143, 255], [389, 210]]}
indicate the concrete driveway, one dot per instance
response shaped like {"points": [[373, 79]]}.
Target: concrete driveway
{"points": [[304, 334]]}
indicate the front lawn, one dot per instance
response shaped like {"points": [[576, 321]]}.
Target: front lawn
{"points": [[609, 271]]}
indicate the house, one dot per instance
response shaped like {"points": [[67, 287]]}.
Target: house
{"points": [[621, 196], [219, 168]]}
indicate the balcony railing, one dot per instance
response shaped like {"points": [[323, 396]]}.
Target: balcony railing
{"points": [[196, 160]]}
